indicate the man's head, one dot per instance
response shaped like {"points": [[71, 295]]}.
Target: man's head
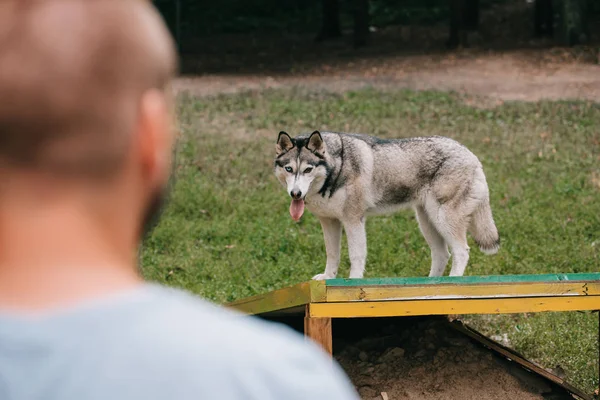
{"points": [[85, 103]]}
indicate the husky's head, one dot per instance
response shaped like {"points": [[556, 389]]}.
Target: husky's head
{"points": [[301, 167]]}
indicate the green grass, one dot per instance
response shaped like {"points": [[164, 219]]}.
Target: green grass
{"points": [[227, 233]]}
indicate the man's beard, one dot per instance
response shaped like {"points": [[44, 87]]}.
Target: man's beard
{"points": [[156, 206], [154, 211], [158, 201], [152, 215]]}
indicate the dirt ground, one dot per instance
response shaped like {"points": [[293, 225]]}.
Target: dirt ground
{"points": [[427, 359], [527, 75]]}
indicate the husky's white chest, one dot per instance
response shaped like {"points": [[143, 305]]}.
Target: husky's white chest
{"points": [[325, 206]]}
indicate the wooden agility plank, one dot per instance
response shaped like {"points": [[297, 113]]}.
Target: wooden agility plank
{"points": [[455, 307], [444, 280], [459, 291], [408, 289], [281, 299]]}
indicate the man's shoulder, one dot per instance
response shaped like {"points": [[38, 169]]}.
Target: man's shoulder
{"points": [[196, 337], [182, 314], [184, 320]]}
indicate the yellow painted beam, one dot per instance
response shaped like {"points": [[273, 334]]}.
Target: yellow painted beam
{"points": [[460, 291], [318, 291], [281, 299], [445, 307]]}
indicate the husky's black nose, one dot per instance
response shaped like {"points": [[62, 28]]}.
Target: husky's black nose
{"points": [[296, 194]]}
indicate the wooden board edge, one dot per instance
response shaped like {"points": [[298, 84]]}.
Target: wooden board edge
{"points": [[289, 297], [516, 357], [471, 279], [457, 307], [318, 291], [439, 292], [296, 311]]}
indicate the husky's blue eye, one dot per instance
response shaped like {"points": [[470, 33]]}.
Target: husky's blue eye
{"points": [[288, 169], [308, 170]]}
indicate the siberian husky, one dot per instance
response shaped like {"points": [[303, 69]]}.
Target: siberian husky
{"points": [[343, 178]]}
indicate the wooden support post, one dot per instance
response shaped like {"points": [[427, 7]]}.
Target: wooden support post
{"points": [[319, 330]]}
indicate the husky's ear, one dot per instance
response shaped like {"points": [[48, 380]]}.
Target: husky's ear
{"points": [[284, 143], [315, 142]]}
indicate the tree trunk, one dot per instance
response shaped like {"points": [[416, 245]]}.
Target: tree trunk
{"points": [[573, 22], [455, 23], [471, 15], [330, 27], [361, 22], [464, 17], [544, 18]]}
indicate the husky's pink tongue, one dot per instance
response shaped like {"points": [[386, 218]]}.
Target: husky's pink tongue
{"points": [[297, 209]]}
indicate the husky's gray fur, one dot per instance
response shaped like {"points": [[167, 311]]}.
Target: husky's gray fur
{"points": [[342, 178]]}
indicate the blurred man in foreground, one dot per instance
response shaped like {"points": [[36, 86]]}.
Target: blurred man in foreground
{"points": [[85, 155]]}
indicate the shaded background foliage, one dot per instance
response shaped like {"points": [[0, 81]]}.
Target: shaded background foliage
{"points": [[271, 36], [205, 18]]}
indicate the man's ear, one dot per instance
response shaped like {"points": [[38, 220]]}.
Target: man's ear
{"points": [[155, 135], [315, 142], [284, 143]]}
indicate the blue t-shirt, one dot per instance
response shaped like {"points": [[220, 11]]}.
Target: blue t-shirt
{"points": [[156, 343]]}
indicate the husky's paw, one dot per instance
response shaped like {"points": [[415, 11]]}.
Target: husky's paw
{"points": [[322, 277]]}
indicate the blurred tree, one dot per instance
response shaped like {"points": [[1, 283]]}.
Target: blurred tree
{"points": [[573, 17], [544, 18], [464, 17], [330, 22], [330, 26], [361, 22]]}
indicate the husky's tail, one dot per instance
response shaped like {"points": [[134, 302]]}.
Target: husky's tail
{"points": [[483, 229]]}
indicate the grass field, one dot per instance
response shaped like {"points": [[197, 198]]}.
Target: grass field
{"points": [[227, 233]]}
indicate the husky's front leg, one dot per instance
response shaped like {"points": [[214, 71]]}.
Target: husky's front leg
{"points": [[332, 232], [357, 247]]}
